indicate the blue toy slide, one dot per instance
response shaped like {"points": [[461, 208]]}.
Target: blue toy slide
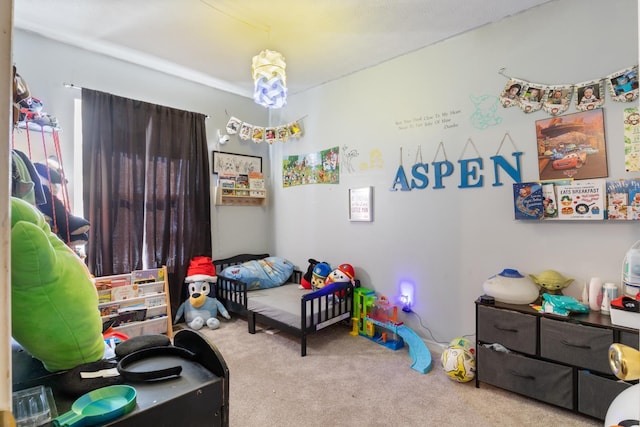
{"points": [[418, 350]]}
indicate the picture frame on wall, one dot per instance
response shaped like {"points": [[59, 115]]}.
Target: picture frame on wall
{"points": [[361, 204], [235, 164], [572, 146]]}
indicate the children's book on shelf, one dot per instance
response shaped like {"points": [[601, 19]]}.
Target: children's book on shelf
{"points": [[256, 184], [109, 282], [623, 199], [528, 200], [549, 201], [550, 196], [228, 184], [242, 185], [124, 292], [149, 275], [582, 200], [109, 309]]}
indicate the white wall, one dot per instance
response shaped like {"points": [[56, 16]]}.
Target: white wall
{"points": [[450, 240], [46, 65]]}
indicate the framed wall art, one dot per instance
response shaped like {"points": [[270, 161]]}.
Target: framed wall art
{"points": [[235, 164], [361, 204], [572, 146]]}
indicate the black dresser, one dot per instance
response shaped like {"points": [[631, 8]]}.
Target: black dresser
{"points": [[563, 361]]}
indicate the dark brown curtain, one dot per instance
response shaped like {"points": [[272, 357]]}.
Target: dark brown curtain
{"points": [[146, 187]]}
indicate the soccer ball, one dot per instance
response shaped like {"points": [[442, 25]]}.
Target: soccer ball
{"points": [[458, 360]]}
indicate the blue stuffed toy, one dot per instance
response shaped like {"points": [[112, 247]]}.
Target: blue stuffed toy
{"points": [[200, 309]]}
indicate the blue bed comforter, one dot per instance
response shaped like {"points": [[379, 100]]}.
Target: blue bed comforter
{"points": [[261, 274]]}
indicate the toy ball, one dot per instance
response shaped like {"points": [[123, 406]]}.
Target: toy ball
{"points": [[464, 343], [458, 360]]}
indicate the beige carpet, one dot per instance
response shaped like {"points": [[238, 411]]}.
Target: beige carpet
{"points": [[351, 381]]}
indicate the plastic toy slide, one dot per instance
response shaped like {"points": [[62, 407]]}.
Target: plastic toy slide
{"points": [[418, 350]]}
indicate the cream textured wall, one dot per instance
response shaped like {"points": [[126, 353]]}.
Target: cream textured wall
{"points": [[450, 240]]}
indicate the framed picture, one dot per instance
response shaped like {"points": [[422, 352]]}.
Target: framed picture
{"points": [[572, 146], [361, 204], [235, 164]]}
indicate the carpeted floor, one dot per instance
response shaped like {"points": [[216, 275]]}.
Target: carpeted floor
{"points": [[351, 381]]}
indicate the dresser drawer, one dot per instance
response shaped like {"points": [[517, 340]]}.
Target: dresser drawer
{"points": [[596, 393], [538, 379], [516, 331], [579, 345], [631, 339]]}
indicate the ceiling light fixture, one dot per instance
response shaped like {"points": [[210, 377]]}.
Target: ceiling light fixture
{"points": [[270, 79]]}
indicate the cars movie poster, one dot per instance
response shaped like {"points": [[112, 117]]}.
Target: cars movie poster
{"points": [[572, 146]]}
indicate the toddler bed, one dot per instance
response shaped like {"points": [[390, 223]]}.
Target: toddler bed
{"points": [[299, 312]]}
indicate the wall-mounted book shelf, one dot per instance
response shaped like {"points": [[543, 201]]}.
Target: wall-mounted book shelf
{"points": [[238, 197], [241, 190], [576, 200]]}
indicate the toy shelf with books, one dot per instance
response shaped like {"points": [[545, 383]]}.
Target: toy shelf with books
{"points": [[241, 190], [136, 303], [577, 200]]}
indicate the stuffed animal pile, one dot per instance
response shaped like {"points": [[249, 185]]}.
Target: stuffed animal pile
{"points": [[54, 303], [320, 274], [199, 308]]}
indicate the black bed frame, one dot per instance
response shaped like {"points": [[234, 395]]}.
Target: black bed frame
{"points": [[317, 305]]}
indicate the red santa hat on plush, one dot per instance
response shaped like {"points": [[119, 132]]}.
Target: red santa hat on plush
{"points": [[201, 269]]}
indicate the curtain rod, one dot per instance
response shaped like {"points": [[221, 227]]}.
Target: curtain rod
{"points": [[72, 86]]}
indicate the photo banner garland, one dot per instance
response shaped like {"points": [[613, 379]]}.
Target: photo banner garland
{"points": [[556, 99], [247, 131]]}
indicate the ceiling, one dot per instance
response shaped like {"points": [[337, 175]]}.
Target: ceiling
{"points": [[212, 41]]}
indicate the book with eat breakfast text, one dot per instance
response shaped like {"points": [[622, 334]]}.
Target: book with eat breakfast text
{"points": [[582, 200]]}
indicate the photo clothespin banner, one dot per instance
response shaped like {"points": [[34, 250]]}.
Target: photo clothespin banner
{"points": [[555, 99]]}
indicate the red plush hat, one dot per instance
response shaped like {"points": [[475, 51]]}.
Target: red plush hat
{"points": [[201, 267], [347, 269]]}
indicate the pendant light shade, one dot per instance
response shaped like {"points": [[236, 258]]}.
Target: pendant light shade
{"points": [[270, 79]]}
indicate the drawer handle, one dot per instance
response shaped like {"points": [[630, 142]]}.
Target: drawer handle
{"points": [[565, 342], [526, 377], [506, 329]]}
